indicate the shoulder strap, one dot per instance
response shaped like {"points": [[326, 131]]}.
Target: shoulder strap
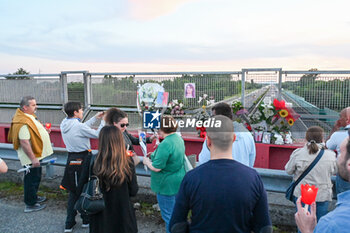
{"points": [[93, 156], [308, 169]]}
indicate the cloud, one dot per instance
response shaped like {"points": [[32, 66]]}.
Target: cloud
{"points": [[151, 9]]}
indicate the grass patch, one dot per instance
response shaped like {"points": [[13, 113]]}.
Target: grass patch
{"points": [[147, 209], [11, 189]]}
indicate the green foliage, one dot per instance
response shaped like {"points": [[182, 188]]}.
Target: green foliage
{"points": [[219, 86], [334, 94], [75, 86], [20, 71]]}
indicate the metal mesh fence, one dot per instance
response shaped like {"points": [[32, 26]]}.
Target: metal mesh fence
{"points": [[324, 91], [45, 91], [260, 81], [44, 115], [121, 90]]}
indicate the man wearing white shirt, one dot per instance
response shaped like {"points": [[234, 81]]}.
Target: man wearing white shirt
{"points": [[243, 148], [339, 131], [337, 136]]}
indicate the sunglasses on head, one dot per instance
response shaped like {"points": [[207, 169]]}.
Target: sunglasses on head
{"points": [[123, 125]]}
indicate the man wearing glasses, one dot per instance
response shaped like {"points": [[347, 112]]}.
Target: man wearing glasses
{"points": [[338, 219]]}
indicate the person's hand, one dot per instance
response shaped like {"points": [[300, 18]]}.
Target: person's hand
{"points": [[146, 161], [99, 115], [48, 130], [149, 154], [35, 162], [154, 136], [305, 220]]}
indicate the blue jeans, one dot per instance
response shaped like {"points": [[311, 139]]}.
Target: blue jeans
{"points": [[341, 185], [166, 205]]}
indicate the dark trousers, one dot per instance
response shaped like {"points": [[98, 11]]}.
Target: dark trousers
{"points": [[71, 212], [31, 185]]}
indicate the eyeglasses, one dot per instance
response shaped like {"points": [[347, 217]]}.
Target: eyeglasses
{"points": [[123, 125]]}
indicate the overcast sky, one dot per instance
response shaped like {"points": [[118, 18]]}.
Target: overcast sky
{"points": [[173, 35]]}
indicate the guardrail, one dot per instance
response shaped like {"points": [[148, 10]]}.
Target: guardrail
{"points": [[274, 180]]}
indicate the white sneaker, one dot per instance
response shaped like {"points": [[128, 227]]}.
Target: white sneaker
{"points": [[85, 225]]}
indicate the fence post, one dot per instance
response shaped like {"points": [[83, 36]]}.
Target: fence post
{"points": [[87, 90], [64, 88], [243, 87], [279, 95]]}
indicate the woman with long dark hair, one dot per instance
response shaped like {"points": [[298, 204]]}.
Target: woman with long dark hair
{"points": [[116, 173], [320, 175]]}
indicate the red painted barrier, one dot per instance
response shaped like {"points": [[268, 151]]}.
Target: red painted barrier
{"points": [[267, 155]]}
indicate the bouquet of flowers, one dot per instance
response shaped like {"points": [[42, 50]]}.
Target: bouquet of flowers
{"points": [[148, 106], [276, 117], [176, 108], [241, 114]]}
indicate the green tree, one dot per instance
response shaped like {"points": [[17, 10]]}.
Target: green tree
{"points": [[20, 71], [309, 78]]}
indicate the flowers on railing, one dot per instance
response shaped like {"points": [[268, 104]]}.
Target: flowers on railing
{"points": [[151, 106], [176, 108], [240, 114], [275, 115], [277, 118]]}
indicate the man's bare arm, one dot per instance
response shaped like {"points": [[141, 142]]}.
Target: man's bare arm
{"points": [[27, 148]]}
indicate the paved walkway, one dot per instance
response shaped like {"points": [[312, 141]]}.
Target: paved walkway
{"points": [[51, 220]]}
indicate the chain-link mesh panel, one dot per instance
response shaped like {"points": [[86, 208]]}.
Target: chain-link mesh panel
{"points": [[121, 91], [324, 91], [45, 91], [321, 95], [135, 120], [44, 115], [256, 86]]}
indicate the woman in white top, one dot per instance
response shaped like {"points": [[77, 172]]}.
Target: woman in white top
{"points": [[320, 175]]}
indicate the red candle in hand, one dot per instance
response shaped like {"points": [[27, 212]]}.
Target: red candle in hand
{"points": [[308, 193], [48, 125]]}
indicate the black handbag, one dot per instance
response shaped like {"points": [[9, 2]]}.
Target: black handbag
{"points": [[91, 199], [290, 189]]}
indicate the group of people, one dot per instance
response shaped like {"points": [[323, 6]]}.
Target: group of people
{"points": [[223, 194], [320, 175]]}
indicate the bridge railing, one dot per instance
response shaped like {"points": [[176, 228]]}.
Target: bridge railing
{"points": [[328, 91]]}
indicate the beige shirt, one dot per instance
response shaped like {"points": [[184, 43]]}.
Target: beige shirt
{"points": [[25, 135], [320, 175]]}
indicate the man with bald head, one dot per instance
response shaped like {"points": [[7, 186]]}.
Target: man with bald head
{"points": [[223, 195], [339, 133]]}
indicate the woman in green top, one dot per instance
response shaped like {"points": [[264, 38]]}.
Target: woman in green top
{"points": [[167, 167]]}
